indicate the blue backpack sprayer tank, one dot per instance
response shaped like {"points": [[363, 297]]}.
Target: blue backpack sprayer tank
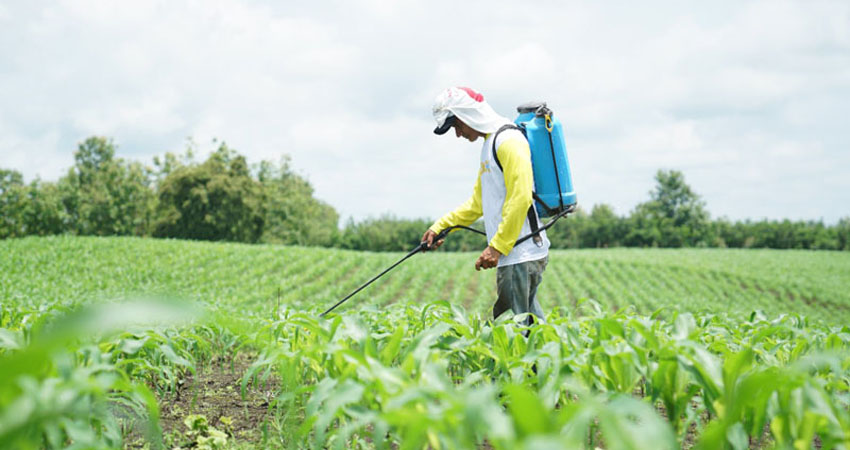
{"points": [[553, 183], [554, 196]]}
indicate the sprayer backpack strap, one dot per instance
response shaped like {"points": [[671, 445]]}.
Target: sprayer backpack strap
{"points": [[532, 214]]}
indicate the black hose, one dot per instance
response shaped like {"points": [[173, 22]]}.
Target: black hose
{"points": [[416, 250], [423, 246]]}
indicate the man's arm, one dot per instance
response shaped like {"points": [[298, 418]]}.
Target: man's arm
{"points": [[515, 157]]}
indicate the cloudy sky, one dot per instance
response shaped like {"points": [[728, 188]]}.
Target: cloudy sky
{"points": [[750, 99]]}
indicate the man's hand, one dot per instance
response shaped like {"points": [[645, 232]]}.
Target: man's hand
{"points": [[429, 238], [489, 258]]}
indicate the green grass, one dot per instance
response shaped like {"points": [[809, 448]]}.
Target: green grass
{"points": [[39, 271], [412, 361]]}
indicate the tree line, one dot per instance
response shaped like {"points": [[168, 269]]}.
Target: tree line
{"points": [[220, 199], [223, 198], [673, 216]]}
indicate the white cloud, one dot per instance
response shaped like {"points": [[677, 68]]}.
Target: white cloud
{"points": [[34, 151], [153, 115], [747, 98]]}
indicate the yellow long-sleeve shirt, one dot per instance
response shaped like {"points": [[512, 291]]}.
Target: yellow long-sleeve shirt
{"points": [[515, 158]]}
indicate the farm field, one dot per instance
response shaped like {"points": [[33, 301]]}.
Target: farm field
{"points": [[63, 270], [643, 349]]}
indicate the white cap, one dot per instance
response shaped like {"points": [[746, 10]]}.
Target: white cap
{"points": [[469, 107]]}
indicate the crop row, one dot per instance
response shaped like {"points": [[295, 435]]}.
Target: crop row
{"points": [[406, 375], [414, 374]]}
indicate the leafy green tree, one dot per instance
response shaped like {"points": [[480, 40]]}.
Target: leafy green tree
{"points": [[163, 166], [675, 216], [727, 233], [386, 233], [216, 200], [12, 202], [104, 195], [45, 213], [604, 228], [842, 234], [292, 214], [824, 238], [646, 229], [30, 209]]}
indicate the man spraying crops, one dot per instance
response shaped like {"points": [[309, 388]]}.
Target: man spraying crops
{"points": [[502, 195]]}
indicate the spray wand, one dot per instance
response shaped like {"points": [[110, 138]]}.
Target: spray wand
{"points": [[424, 247]]}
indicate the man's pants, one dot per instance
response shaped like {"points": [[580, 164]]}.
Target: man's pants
{"points": [[516, 286]]}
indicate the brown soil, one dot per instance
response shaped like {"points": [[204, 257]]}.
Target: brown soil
{"points": [[215, 393]]}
